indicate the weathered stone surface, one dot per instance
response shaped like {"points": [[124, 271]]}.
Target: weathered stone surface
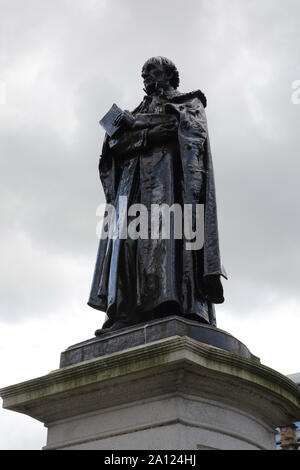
{"points": [[146, 333], [174, 393]]}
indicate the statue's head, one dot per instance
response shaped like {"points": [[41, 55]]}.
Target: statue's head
{"points": [[159, 72]]}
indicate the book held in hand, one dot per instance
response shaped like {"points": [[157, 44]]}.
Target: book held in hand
{"points": [[114, 119]]}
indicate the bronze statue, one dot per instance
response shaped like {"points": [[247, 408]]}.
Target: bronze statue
{"points": [[158, 154]]}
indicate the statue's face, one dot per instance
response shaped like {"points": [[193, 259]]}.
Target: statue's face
{"points": [[156, 76]]}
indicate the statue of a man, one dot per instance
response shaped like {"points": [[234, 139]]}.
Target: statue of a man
{"points": [[162, 157]]}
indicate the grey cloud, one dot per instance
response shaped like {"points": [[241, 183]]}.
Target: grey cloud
{"points": [[243, 56]]}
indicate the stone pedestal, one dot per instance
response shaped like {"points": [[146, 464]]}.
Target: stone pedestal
{"points": [[170, 393]]}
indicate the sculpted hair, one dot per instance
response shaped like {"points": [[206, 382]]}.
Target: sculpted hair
{"points": [[167, 63]]}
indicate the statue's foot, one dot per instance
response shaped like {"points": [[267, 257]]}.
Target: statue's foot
{"points": [[116, 326], [101, 331]]}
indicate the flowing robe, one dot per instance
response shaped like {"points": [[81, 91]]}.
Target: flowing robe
{"points": [[134, 279]]}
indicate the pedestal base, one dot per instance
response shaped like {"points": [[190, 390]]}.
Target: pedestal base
{"points": [[145, 333], [175, 393]]}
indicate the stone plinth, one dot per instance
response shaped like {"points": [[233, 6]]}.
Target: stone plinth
{"points": [[172, 393], [145, 333]]}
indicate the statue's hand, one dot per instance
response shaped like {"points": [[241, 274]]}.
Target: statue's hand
{"points": [[213, 289], [125, 120], [162, 133]]}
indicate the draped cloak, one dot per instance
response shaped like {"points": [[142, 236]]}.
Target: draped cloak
{"points": [[133, 277]]}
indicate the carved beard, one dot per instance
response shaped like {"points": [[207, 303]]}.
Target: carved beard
{"points": [[155, 87]]}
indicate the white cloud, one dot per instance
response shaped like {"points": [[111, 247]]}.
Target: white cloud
{"points": [[271, 332]]}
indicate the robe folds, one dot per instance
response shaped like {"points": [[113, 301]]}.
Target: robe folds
{"points": [[135, 278]]}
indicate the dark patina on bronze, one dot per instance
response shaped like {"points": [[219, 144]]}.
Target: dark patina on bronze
{"points": [[161, 156]]}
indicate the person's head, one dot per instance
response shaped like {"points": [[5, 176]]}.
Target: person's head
{"points": [[159, 72]]}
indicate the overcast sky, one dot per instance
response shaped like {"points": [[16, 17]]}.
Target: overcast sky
{"points": [[62, 64]]}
